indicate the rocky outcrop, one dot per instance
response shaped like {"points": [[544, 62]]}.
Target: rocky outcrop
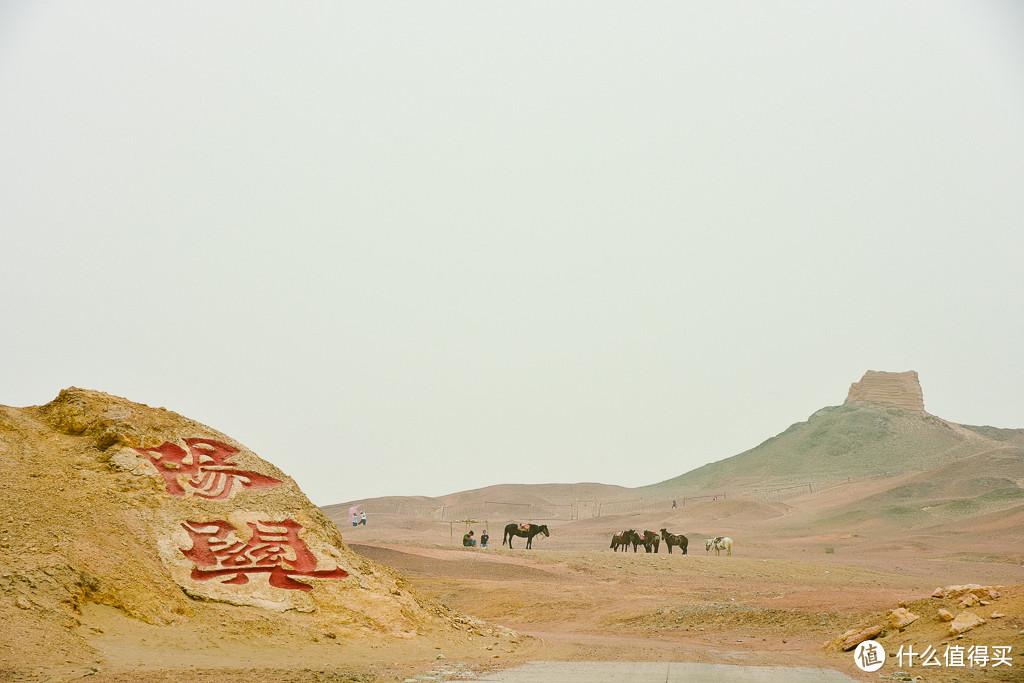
{"points": [[901, 389], [928, 618], [112, 502]]}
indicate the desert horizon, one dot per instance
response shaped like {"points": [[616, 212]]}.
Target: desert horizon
{"points": [[604, 280], [871, 522]]}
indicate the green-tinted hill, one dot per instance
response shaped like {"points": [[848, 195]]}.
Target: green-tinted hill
{"points": [[853, 440], [879, 463], [940, 498]]}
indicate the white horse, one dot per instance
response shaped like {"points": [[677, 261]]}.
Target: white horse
{"points": [[719, 543]]}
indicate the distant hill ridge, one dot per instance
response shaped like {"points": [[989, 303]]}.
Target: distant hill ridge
{"points": [[881, 429], [848, 441], [877, 464]]}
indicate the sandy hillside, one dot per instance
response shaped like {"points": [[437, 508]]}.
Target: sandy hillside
{"points": [[135, 540]]}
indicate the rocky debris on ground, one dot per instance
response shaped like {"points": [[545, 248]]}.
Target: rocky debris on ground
{"points": [[979, 592], [900, 619]]}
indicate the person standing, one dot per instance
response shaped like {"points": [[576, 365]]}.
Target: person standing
{"points": [[484, 539], [362, 517]]}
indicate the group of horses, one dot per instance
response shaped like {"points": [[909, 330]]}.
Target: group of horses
{"points": [[649, 540], [624, 539]]}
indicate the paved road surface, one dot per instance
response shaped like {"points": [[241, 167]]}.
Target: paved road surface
{"points": [[659, 672]]}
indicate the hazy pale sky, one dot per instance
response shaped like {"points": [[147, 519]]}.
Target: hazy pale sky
{"points": [[416, 248]]}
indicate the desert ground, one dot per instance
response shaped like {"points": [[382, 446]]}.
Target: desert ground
{"points": [[95, 581], [778, 600]]}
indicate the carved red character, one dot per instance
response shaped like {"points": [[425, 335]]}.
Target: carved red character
{"points": [[204, 468], [274, 548]]}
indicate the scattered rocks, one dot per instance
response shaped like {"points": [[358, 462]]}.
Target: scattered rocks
{"points": [[976, 590], [898, 619]]}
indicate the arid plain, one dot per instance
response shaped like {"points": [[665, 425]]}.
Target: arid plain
{"points": [[139, 545], [789, 587]]}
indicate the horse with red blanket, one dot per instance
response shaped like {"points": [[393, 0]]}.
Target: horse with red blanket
{"points": [[527, 531]]}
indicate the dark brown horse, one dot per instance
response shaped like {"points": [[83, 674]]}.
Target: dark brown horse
{"points": [[674, 539], [649, 540], [528, 533], [623, 539]]}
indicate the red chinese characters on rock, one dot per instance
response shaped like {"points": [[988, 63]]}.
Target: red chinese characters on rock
{"points": [[204, 467], [274, 548]]}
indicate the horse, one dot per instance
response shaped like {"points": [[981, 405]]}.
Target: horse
{"points": [[649, 540], [719, 543], [528, 533], [622, 539], [674, 539]]}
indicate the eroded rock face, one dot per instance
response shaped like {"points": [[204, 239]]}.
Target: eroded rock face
{"points": [[901, 389], [140, 507]]}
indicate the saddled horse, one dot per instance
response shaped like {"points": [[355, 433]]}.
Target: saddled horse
{"points": [[674, 540], [719, 543], [649, 540], [623, 539], [527, 531]]}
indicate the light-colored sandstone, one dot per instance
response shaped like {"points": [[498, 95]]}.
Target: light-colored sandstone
{"points": [[854, 637], [964, 622], [901, 617]]}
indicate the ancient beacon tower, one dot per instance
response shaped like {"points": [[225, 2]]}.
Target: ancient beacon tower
{"points": [[901, 389]]}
